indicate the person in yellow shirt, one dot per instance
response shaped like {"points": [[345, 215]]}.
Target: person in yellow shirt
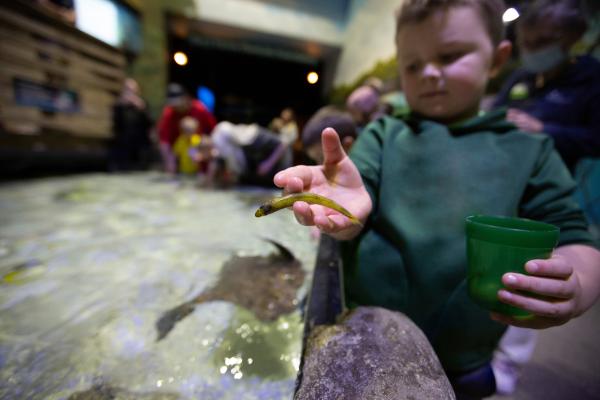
{"points": [[186, 146]]}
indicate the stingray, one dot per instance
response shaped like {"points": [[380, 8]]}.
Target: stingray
{"points": [[265, 285]]}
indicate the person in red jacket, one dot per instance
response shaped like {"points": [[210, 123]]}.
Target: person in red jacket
{"points": [[179, 105]]}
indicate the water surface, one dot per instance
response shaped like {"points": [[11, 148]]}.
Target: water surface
{"points": [[91, 262]]}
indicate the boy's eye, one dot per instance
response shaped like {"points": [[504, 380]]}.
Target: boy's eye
{"points": [[411, 68], [450, 57]]}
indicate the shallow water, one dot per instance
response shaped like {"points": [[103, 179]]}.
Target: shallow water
{"points": [[96, 259]]}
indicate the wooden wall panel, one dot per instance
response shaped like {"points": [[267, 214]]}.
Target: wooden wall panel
{"points": [[37, 50]]}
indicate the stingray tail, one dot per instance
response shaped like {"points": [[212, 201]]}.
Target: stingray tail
{"points": [[167, 321], [283, 251]]}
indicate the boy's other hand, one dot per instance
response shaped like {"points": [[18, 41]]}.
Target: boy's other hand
{"points": [[556, 288], [337, 179]]}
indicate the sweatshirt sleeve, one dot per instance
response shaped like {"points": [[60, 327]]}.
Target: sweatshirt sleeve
{"points": [[549, 197]]}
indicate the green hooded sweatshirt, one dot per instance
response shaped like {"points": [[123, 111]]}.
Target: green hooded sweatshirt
{"points": [[424, 179]]}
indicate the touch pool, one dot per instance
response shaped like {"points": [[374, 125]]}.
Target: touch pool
{"points": [[88, 264]]}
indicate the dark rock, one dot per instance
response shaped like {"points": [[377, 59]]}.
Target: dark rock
{"points": [[372, 353]]}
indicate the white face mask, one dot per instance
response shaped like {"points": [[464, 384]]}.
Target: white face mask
{"points": [[543, 60]]}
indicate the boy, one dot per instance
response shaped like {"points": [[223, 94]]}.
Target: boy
{"points": [[413, 182], [185, 147]]}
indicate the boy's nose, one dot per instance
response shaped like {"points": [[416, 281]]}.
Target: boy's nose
{"points": [[431, 70]]}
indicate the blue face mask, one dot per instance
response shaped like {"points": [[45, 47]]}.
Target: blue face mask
{"points": [[543, 60]]}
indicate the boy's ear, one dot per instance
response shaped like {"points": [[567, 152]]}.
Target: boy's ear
{"points": [[501, 55]]}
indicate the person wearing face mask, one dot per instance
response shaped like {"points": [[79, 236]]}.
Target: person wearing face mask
{"points": [[555, 93]]}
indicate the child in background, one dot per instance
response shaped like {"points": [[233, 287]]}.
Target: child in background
{"points": [[287, 128], [413, 182], [186, 146], [364, 103], [285, 125], [327, 116]]}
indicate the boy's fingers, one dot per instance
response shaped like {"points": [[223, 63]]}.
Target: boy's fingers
{"points": [[341, 221], [555, 267], [559, 288], [297, 177], [324, 223], [303, 213], [333, 151], [556, 310], [332, 223]]}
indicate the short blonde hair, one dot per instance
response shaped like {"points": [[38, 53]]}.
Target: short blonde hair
{"points": [[491, 11]]}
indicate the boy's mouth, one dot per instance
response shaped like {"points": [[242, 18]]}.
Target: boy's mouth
{"points": [[434, 93]]}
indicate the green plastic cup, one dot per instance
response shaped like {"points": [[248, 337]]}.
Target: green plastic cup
{"points": [[497, 245]]}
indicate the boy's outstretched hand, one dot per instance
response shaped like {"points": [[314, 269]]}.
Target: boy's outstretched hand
{"points": [[337, 179], [564, 286]]}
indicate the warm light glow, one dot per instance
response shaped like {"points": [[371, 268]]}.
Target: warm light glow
{"points": [[180, 58], [312, 77], [510, 15]]}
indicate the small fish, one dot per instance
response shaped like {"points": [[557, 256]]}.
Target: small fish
{"points": [[279, 203], [23, 272]]}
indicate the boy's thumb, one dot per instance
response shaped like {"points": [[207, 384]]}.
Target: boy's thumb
{"points": [[333, 152]]}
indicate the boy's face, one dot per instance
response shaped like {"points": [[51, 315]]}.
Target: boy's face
{"points": [[445, 62]]}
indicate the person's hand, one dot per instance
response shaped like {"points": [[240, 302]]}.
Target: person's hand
{"points": [[337, 179], [524, 121], [264, 168], [556, 288]]}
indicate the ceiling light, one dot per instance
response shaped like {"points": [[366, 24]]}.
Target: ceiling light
{"points": [[510, 15], [312, 77], [180, 58]]}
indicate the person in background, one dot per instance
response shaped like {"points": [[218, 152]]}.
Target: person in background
{"points": [[186, 146], [555, 93], [287, 128], [247, 154], [179, 105], [325, 117], [558, 95], [131, 130], [285, 125], [413, 181], [364, 102]]}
